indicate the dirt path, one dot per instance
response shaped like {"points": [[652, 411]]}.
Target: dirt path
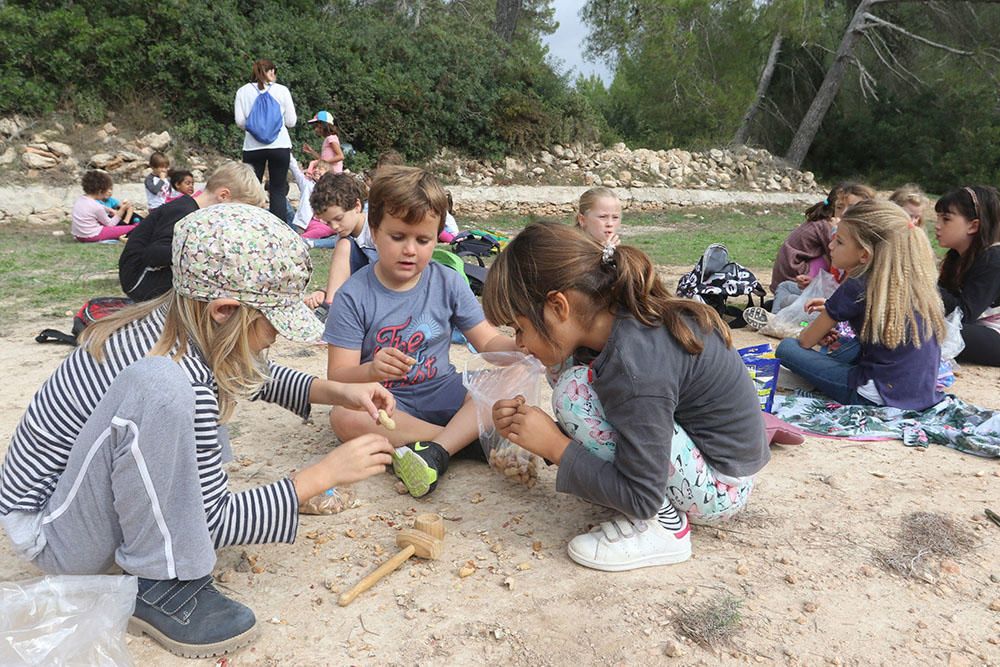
{"points": [[801, 559]]}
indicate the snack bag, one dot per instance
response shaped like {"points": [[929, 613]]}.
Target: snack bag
{"points": [[331, 501], [763, 369], [490, 377]]}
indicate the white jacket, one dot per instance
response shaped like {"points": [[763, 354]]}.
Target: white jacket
{"points": [[246, 96]]}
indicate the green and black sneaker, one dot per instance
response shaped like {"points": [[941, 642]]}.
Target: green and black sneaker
{"points": [[420, 465]]}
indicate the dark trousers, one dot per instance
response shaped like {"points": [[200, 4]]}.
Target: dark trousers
{"points": [[277, 160], [982, 345]]}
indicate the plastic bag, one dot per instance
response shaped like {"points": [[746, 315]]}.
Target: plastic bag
{"points": [[331, 501], [793, 318], [66, 620], [953, 343], [493, 376]]}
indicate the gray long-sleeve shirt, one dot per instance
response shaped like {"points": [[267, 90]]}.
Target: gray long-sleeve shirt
{"points": [[646, 381]]}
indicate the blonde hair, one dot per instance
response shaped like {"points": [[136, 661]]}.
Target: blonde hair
{"points": [[239, 177], [901, 276], [548, 257], [407, 193], [910, 194], [588, 199], [238, 371]]}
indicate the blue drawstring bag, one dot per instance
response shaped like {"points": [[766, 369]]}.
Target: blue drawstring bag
{"points": [[265, 120]]}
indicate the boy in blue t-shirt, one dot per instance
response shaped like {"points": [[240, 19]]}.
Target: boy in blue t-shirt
{"points": [[391, 322]]}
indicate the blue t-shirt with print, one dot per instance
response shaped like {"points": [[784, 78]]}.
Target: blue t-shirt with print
{"points": [[905, 376], [367, 316]]}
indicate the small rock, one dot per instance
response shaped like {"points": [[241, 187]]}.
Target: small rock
{"points": [[791, 578], [742, 569], [673, 649], [810, 607], [8, 156], [60, 148], [995, 605], [509, 583], [110, 128], [868, 570], [499, 633], [466, 571], [524, 566], [36, 161]]}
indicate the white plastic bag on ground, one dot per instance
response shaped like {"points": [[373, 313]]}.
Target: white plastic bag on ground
{"points": [[493, 376], [793, 318], [953, 343], [66, 620]]}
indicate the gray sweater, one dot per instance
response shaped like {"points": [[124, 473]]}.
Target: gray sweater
{"points": [[646, 381]]}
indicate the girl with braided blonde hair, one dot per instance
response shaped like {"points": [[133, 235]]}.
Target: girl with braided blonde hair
{"points": [[890, 298]]}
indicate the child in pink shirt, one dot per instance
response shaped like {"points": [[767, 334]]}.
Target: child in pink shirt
{"points": [[92, 220], [330, 152]]}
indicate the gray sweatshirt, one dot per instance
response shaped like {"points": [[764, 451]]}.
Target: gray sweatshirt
{"points": [[646, 381]]}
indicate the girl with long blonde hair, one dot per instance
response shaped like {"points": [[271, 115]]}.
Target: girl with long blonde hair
{"points": [[891, 301]]}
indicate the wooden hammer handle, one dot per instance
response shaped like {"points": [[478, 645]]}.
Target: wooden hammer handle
{"points": [[369, 581]]}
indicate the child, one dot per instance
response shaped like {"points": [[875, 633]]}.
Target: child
{"points": [[450, 225], [337, 202], [92, 221], [658, 418], [119, 458], [181, 183], [600, 215], [303, 218], [157, 184], [330, 152], [144, 265], [392, 323], [968, 224], [891, 304], [911, 199]]}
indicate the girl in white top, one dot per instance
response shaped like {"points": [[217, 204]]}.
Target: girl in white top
{"points": [[274, 155]]}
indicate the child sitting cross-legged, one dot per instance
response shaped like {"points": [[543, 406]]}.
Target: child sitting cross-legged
{"points": [[657, 415], [391, 322], [92, 220]]}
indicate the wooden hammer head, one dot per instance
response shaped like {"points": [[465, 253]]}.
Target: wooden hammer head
{"points": [[424, 545]]}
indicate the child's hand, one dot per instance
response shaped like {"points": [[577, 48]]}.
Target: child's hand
{"points": [[368, 397], [530, 428], [816, 306], [803, 280], [503, 413], [351, 462], [830, 341], [309, 150], [160, 173], [315, 299], [390, 364]]}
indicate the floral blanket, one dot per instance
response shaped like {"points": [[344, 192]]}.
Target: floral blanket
{"points": [[952, 423]]}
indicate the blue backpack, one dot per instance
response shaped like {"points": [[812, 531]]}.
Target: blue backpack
{"points": [[265, 120]]}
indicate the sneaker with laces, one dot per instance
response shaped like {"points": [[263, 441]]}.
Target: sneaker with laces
{"points": [[191, 618], [420, 465], [628, 544], [756, 317]]}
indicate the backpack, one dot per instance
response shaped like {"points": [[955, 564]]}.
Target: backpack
{"points": [[90, 312], [715, 278], [265, 120], [477, 243], [474, 274]]}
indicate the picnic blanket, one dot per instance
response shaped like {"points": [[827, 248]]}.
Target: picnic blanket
{"points": [[952, 423]]}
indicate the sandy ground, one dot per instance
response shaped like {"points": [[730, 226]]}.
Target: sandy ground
{"points": [[801, 558]]}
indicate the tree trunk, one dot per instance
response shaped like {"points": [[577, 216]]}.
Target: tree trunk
{"points": [[507, 14], [743, 133], [828, 90]]}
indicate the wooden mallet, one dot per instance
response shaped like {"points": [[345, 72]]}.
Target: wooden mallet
{"points": [[424, 540]]}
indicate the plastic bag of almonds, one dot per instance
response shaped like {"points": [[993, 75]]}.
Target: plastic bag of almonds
{"points": [[331, 501], [490, 377]]}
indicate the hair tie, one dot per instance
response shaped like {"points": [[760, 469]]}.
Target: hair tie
{"points": [[911, 224], [826, 202], [608, 254]]}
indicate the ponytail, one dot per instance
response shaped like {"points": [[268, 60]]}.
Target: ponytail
{"points": [[550, 257], [259, 73]]}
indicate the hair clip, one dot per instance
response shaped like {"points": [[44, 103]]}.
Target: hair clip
{"points": [[608, 254]]}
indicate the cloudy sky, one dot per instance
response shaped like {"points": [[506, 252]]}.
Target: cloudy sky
{"points": [[566, 43]]}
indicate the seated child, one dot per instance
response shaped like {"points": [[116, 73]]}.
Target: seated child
{"points": [[968, 224], [181, 183], [450, 225], [337, 202], [600, 215], [157, 184], [144, 265], [391, 322], [899, 324], [119, 459], [303, 221], [911, 199], [657, 415], [92, 220]]}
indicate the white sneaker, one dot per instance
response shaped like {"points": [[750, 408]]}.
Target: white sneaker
{"points": [[756, 317], [627, 544]]}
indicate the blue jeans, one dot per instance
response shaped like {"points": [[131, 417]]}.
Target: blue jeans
{"points": [[829, 373]]}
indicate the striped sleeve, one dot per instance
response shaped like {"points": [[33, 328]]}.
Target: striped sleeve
{"points": [[288, 388], [255, 516]]}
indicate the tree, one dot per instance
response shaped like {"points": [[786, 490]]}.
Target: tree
{"points": [[507, 14], [743, 133]]}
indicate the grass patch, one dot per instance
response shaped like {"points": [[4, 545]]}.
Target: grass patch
{"points": [[714, 622], [922, 538]]}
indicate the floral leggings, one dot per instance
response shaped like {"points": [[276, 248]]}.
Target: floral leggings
{"points": [[693, 487]]}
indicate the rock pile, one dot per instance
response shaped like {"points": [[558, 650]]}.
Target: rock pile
{"points": [[749, 169]]}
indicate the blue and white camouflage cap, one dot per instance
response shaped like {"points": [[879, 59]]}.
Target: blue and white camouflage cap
{"points": [[243, 252]]}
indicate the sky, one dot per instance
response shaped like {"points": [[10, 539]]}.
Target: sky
{"points": [[566, 43]]}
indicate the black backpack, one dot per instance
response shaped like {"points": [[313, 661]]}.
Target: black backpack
{"points": [[90, 312], [716, 278]]}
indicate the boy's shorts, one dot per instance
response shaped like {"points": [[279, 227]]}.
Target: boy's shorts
{"points": [[437, 405], [361, 257]]}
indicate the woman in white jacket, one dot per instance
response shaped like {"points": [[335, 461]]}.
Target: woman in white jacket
{"points": [[276, 154]]}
